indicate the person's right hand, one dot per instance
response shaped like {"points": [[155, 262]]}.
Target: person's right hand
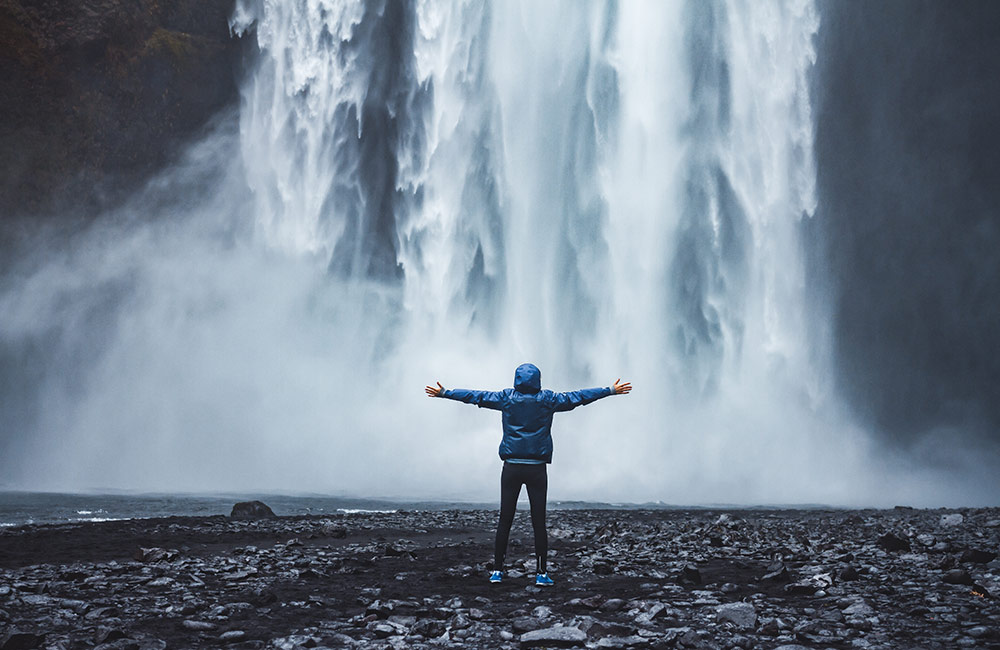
{"points": [[434, 392], [620, 388]]}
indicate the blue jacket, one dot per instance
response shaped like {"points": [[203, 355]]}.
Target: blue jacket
{"points": [[527, 411]]}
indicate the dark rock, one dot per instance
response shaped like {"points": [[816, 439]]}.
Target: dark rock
{"points": [[978, 556], [381, 608], [685, 636], [120, 644], [429, 628], [953, 519], [16, 640], [947, 562], [311, 574], [770, 627], [776, 572], [99, 93], [801, 588], [848, 573], [383, 630], [633, 641], [858, 609], [523, 624], [612, 605], [105, 635], [102, 613], [459, 622], [690, 575], [957, 577], [336, 532], [252, 510], [742, 615], [603, 566], [542, 612], [258, 596], [198, 626], [891, 542]]}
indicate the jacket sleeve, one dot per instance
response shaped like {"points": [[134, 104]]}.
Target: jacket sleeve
{"points": [[484, 399], [572, 399]]}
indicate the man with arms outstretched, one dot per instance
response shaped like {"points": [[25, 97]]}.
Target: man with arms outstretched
{"points": [[525, 449]]}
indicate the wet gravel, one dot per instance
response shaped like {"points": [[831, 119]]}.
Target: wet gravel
{"points": [[900, 578]]}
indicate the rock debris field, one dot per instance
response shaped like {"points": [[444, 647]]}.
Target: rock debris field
{"points": [[789, 579]]}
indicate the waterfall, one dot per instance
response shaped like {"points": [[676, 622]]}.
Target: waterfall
{"points": [[552, 172], [599, 187], [441, 190]]}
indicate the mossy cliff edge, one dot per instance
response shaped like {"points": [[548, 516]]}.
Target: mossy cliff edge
{"points": [[97, 94]]}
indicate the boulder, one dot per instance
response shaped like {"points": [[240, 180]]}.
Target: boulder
{"points": [[252, 510]]}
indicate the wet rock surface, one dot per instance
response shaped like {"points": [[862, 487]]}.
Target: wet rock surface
{"points": [[98, 94], [624, 579], [251, 510]]}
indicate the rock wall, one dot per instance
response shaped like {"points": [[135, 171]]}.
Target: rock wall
{"points": [[908, 227], [99, 93]]}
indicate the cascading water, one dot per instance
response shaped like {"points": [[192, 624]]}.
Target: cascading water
{"points": [[441, 191], [601, 188]]}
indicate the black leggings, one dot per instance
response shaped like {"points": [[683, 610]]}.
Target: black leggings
{"points": [[535, 478]]}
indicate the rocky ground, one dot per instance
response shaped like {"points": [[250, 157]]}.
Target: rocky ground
{"points": [[899, 578]]}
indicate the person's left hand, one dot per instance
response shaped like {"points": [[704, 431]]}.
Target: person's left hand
{"points": [[434, 392]]}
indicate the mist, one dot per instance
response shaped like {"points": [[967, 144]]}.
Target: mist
{"points": [[440, 192]]}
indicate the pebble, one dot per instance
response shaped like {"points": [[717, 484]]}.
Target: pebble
{"points": [[856, 579], [526, 624], [954, 519], [198, 625], [633, 641], [859, 608], [554, 636]]}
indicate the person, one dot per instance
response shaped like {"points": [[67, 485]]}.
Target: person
{"points": [[526, 448]]}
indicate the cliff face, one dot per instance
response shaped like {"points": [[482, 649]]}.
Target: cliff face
{"points": [[908, 226], [96, 94]]}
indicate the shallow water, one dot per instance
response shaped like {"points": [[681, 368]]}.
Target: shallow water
{"points": [[20, 508]]}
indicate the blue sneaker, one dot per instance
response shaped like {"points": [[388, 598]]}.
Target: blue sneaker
{"points": [[496, 576], [543, 580]]}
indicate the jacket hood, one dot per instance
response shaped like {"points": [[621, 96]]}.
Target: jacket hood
{"points": [[527, 378]]}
